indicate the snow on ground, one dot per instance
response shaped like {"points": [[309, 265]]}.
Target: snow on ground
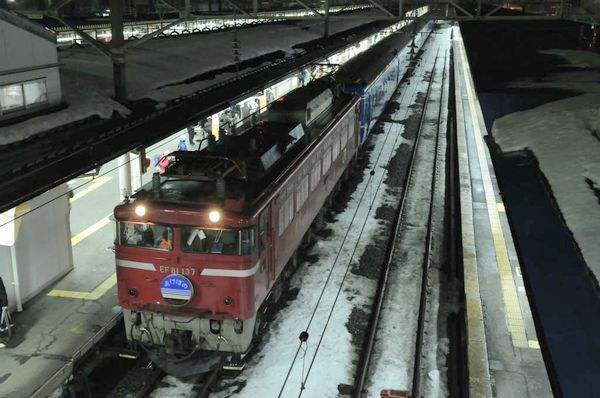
{"points": [[172, 387], [561, 135], [86, 75], [393, 356]]}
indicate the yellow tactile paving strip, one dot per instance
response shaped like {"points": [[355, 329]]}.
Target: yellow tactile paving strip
{"points": [[513, 310], [477, 358], [105, 285], [93, 295], [98, 182], [75, 239]]}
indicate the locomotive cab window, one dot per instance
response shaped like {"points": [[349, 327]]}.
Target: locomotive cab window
{"points": [[262, 231], [150, 236], [232, 242]]}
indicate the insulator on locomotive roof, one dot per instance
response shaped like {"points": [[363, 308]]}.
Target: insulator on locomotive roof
{"points": [[220, 187], [156, 184]]}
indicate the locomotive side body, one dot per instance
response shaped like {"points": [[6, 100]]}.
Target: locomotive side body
{"points": [[311, 180], [375, 75]]}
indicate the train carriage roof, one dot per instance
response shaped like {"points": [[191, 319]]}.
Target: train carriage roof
{"points": [[367, 66]]}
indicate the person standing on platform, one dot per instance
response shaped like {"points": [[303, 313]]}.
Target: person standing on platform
{"points": [[191, 134], [5, 320], [182, 145], [163, 163]]}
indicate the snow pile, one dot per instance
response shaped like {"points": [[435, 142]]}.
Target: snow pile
{"points": [[576, 58], [172, 387], [565, 137], [580, 77]]}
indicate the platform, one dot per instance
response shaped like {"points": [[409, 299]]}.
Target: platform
{"points": [[504, 357], [60, 325]]}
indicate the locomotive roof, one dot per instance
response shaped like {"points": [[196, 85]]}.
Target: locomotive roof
{"points": [[298, 98], [249, 162], [366, 67]]}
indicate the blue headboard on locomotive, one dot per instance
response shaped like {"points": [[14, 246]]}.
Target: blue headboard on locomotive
{"points": [[375, 74]]}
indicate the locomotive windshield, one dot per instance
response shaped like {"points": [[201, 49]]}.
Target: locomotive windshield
{"points": [[150, 236], [217, 241]]}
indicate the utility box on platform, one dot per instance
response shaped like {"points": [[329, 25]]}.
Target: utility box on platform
{"points": [[35, 247]]}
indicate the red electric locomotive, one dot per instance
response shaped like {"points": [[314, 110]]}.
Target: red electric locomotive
{"points": [[202, 249]]}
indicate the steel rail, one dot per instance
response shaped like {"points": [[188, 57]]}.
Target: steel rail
{"points": [[416, 386], [213, 377], [365, 356]]}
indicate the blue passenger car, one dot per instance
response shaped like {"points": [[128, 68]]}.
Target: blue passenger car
{"points": [[375, 74]]}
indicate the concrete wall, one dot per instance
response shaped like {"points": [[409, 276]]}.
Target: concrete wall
{"points": [[43, 246], [22, 49]]}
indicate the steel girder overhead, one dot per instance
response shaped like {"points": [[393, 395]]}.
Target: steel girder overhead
{"points": [[582, 10]]}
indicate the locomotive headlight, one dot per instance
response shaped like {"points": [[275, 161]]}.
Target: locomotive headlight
{"points": [[214, 216], [140, 210]]}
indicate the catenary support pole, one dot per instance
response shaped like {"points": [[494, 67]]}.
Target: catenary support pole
{"points": [[124, 176], [16, 280], [118, 49], [326, 21]]}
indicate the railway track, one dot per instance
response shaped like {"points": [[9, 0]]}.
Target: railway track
{"points": [[423, 162], [140, 381]]}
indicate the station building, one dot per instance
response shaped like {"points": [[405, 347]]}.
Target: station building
{"points": [[29, 69]]}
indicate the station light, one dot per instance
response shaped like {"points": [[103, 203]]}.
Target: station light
{"points": [[214, 216], [140, 210]]}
